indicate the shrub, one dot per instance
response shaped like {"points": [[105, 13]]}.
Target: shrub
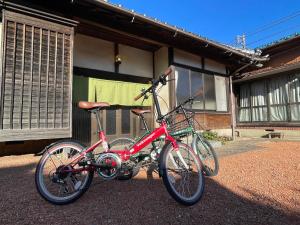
{"points": [[209, 135], [213, 136]]}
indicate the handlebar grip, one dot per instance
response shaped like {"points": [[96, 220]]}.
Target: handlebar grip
{"points": [[168, 71], [138, 97]]}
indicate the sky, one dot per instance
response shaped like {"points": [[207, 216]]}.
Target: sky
{"points": [[262, 21]]}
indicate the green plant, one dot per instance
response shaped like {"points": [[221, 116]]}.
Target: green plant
{"points": [[209, 135], [213, 136]]}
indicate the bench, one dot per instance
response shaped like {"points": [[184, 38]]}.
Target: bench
{"points": [[274, 134]]}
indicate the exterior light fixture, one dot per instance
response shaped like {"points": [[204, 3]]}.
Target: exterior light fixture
{"points": [[118, 59]]}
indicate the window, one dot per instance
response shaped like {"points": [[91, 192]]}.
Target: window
{"points": [[259, 101], [35, 81], [295, 97], [197, 90], [221, 96], [278, 96], [182, 85], [209, 91], [270, 100]]}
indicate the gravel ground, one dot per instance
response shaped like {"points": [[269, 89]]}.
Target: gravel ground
{"points": [[255, 187]]}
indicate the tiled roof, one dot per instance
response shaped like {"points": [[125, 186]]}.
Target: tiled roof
{"points": [[279, 41], [252, 54], [265, 71]]}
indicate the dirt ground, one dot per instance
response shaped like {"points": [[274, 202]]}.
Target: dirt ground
{"points": [[253, 187]]}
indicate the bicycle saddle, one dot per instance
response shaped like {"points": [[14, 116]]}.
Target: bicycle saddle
{"points": [[92, 105], [139, 112]]}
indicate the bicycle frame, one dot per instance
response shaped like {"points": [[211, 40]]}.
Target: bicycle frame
{"points": [[125, 154], [178, 133]]}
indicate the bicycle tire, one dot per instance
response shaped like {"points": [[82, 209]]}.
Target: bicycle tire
{"points": [[38, 174], [196, 143], [163, 170]]}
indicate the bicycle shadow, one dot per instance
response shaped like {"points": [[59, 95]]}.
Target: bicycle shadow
{"points": [[138, 201]]}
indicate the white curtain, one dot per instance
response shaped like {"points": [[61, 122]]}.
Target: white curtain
{"points": [[221, 93], [244, 113], [295, 97], [278, 95], [259, 101], [283, 92]]}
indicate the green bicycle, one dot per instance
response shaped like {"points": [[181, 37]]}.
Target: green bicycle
{"points": [[181, 124]]}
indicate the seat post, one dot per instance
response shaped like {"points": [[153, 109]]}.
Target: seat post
{"points": [[144, 122], [98, 119]]}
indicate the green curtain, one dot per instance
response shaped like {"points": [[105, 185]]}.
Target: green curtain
{"points": [[113, 92]]}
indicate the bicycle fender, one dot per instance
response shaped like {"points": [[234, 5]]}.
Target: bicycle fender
{"points": [[160, 164], [54, 143], [194, 144]]}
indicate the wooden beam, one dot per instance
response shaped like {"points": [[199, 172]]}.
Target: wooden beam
{"points": [[108, 34], [100, 74]]}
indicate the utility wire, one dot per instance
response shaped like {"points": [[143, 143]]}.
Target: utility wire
{"points": [[270, 25], [274, 23], [272, 35]]}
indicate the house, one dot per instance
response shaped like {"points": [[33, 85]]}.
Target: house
{"points": [[268, 99], [58, 52]]}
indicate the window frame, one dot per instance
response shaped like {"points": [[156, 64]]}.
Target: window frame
{"points": [[208, 73]]}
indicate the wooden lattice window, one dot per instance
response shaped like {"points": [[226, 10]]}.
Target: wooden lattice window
{"points": [[35, 79]]}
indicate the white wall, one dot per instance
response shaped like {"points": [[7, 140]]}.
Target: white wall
{"points": [[187, 58], [161, 64], [136, 61], [214, 66], [93, 53]]}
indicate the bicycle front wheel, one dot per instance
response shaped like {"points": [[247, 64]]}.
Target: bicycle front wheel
{"points": [[181, 171], [207, 155], [53, 177]]}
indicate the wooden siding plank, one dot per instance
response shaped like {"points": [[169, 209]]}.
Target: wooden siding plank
{"points": [[34, 134], [31, 75], [22, 77], [62, 78], [13, 77], [35, 22], [39, 80], [2, 75], [55, 76]]}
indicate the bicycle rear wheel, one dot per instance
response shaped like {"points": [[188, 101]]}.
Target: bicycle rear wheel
{"points": [[182, 173], [207, 155], [55, 185]]}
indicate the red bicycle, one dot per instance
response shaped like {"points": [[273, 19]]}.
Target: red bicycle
{"points": [[66, 169]]}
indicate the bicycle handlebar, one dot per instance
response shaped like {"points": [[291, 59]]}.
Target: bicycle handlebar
{"points": [[139, 96], [187, 101], [155, 83], [191, 99]]}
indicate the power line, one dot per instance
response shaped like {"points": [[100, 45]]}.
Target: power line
{"points": [[269, 26], [274, 23], [272, 35]]}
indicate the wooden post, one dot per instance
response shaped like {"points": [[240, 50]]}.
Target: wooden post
{"points": [[232, 108]]}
